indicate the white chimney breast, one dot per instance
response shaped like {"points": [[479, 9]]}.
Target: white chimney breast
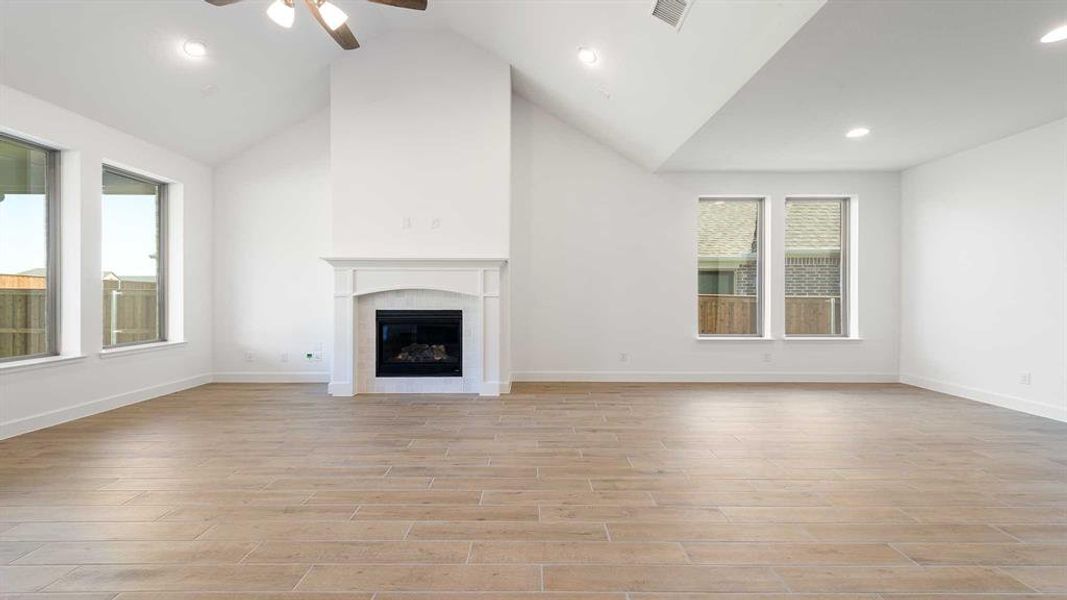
{"points": [[420, 128]]}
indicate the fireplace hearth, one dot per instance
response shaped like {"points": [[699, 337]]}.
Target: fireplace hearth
{"points": [[419, 343]]}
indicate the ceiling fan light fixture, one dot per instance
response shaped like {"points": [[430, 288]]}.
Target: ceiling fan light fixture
{"points": [[1056, 35], [282, 12], [331, 15]]}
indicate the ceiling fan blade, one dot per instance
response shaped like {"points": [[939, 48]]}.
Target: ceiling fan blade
{"points": [[412, 4], [222, 2], [342, 35]]}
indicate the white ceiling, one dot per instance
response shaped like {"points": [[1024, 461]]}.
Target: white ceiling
{"points": [[663, 84], [118, 61], [928, 77]]}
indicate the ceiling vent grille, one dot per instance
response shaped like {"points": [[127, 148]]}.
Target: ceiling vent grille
{"points": [[671, 12]]}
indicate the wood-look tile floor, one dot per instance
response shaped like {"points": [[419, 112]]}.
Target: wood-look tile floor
{"points": [[562, 492]]}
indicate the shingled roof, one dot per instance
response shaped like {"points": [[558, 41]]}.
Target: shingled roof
{"points": [[813, 225], [728, 228]]}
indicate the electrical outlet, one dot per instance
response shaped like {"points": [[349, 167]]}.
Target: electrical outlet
{"points": [[316, 356], [767, 357], [435, 223], [624, 357], [406, 224], [283, 357], [250, 356], [1024, 378]]}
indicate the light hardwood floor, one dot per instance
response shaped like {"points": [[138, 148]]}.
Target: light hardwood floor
{"points": [[564, 492]]}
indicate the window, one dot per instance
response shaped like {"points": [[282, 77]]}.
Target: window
{"points": [[730, 266], [133, 232], [816, 266], [29, 274]]}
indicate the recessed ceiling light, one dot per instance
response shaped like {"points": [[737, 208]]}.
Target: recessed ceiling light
{"points": [[857, 132], [194, 49], [588, 56], [1056, 35]]}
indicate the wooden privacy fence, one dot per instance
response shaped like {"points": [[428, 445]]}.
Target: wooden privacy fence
{"points": [[130, 312], [720, 314], [22, 322], [812, 315], [130, 315]]}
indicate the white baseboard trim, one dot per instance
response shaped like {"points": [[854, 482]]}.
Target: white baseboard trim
{"points": [[703, 377], [340, 388], [495, 388], [273, 377], [987, 397], [48, 419]]}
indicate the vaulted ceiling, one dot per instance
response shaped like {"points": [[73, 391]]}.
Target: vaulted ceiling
{"points": [[118, 62], [743, 84]]}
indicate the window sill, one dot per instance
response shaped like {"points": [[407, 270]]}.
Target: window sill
{"points": [[139, 349], [733, 338], [38, 363], [821, 338]]}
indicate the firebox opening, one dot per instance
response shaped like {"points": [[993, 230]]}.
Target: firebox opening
{"points": [[419, 343]]}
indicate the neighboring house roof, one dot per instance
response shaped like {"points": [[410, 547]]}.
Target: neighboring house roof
{"points": [[34, 272], [813, 225], [112, 276], [728, 228]]}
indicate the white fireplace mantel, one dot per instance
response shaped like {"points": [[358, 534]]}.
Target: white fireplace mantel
{"points": [[484, 279]]}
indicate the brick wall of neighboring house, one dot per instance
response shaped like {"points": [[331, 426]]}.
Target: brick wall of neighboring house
{"points": [[746, 279], [812, 276]]}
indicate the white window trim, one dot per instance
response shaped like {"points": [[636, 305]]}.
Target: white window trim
{"points": [[852, 254], [173, 272], [39, 362], [128, 349], [764, 268]]}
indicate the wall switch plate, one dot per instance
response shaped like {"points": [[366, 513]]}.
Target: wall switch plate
{"points": [[767, 357], [1024, 378], [250, 356], [316, 356], [624, 357], [435, 223], [406, 224]]}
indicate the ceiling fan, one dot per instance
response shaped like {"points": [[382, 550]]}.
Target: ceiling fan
{"points": [[332, 19]]}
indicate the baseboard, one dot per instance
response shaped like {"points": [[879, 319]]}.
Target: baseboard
{"points": [[340, 388], [33, 423], [495, 388], [987, 397], [272, 377], [703, 377]]}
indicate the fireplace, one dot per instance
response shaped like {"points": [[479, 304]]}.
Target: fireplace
{"points": [[419, 343]]}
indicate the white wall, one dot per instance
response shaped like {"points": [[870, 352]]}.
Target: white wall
{"points": [[420, 131], [31, 398], [604, 263], [273, 291], [983, 272]]}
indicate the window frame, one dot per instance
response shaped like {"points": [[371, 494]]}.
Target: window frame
{"points": [[162, 243], [845, 266], [52, 249], [762, 202]]}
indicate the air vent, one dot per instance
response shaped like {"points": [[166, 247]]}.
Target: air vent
{"points": [[671, 12]]}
